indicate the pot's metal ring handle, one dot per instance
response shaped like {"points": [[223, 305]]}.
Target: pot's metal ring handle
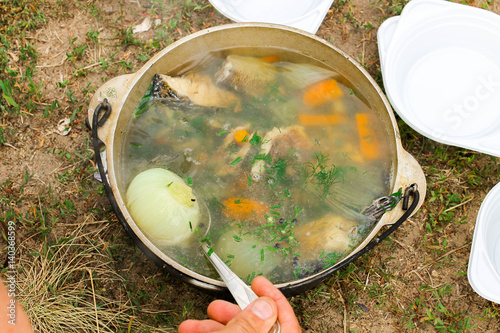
{"points": [[410, 192], [97, 145], [98, 122]]}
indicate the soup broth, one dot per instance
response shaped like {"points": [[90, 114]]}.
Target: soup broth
{"points": [[282, 154]]}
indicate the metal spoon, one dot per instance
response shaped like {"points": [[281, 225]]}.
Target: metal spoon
{"points": [[241, 292]]}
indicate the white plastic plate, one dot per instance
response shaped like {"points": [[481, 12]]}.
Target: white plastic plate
{"points": [[305, 15], [484, 260], [441, 70]]}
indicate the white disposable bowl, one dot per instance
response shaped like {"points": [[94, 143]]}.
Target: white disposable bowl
{"points": [[441, 70], [484, 261], [305, 15]]}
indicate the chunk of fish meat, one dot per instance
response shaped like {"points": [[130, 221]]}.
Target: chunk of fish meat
{"points": [[248, 75], [224, 156], [198, 89], [331, 233], [280, 142], [300, 76]]}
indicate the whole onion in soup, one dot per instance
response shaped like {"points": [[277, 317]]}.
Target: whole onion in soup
{"points": [[163, 206]]}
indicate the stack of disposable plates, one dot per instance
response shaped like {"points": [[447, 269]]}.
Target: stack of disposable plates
{"points": [[305, 15], [441, 70]]}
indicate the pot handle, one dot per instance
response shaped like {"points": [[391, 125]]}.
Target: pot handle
{"points": [[411, 192], [410, 172], [113, 91]]}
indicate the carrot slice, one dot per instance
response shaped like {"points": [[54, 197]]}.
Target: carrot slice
{"points": [[238, 208], [240, 135], [271, 59], [322, 92], [368, 142], [320, 119]]}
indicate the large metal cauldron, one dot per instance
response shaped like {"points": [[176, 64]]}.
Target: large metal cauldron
{"points": [[116, 100]]}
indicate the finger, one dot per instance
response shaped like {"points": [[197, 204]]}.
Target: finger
{"points": [[258, 317], [200, 326], [222, 311], [286, 316]]}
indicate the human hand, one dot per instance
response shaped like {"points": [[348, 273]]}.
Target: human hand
{"points": [[258, 317]]}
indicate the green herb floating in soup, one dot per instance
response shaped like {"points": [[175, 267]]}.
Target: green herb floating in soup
{"points": [[274, 145]]}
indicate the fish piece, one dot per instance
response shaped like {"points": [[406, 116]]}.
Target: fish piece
{"points": [[300, 76], [195, 88], [331, 233], [291, 138], [226, 156], [280, 143], [249, 75]]}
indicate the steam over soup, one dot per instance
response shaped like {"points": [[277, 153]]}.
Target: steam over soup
{"points": [[280, 149]]}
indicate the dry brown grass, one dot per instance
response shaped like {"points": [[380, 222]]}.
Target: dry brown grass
{"points": [[62, 287]]}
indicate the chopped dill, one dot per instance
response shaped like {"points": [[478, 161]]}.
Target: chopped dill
{"points": [[265, 157], [398, 195], [255, 140], [271, 249], [331, 259], [236, 161], [278, 169], [321, 175], [250, 277], [297, 210], [143, 103]]}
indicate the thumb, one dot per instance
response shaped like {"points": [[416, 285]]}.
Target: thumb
{"points": [[258, 317]]}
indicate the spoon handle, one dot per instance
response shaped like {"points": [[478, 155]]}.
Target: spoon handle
{"points": [[242, 293], [276, 328]]}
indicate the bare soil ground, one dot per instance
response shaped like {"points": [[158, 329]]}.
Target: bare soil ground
{"points": [[55, 54]]}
